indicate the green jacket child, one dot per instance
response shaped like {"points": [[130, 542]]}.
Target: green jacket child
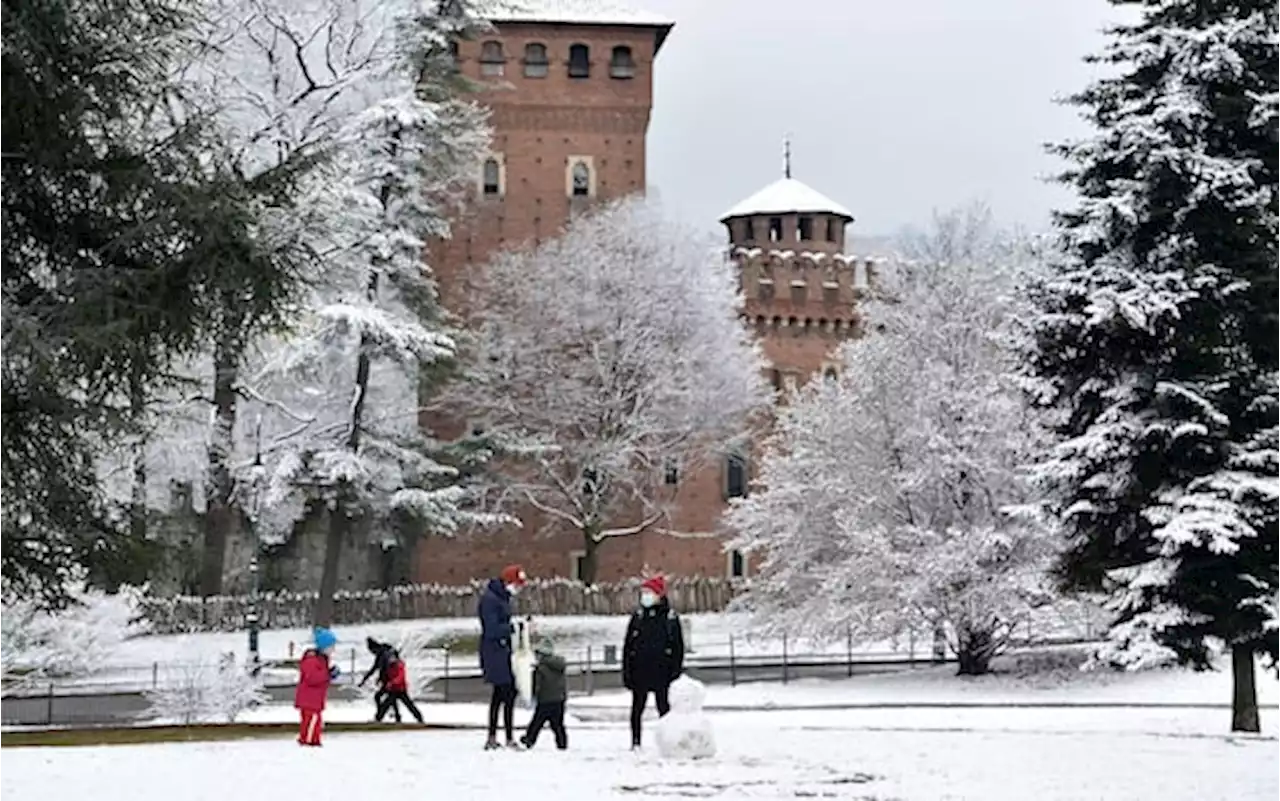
{"points": [[549, 695]]}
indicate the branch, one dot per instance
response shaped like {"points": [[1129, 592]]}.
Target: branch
{"points": [[630, 530], [248, 393], [565, 516]]}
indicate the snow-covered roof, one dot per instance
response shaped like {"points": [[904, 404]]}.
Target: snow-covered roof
{"points": [[572, 12], [787, 196]]}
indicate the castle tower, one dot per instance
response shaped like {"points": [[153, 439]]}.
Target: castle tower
{"points": [[569, 84], [570, 87], [788, 240]]}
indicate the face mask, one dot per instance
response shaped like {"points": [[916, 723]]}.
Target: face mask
{"points": [[513, 589], [648, 599]]}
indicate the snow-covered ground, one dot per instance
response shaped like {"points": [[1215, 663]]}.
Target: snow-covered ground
{"points": [[141, 661], [993, 755]]}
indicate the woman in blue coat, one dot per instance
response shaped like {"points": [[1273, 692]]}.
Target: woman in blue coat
{"points": [[495, 651]]}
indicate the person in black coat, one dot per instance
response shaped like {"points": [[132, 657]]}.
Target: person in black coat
{"points": [[383, 655], [653, 654]]}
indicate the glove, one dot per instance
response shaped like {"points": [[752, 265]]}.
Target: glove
{"points": [[334, 672]]}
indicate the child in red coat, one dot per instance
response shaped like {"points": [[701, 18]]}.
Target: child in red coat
{"points": [[315, 673]]}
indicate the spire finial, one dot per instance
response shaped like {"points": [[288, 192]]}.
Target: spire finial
{"points": [[786, 155]]}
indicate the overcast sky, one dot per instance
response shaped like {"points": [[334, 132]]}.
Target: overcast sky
{"points": [[895, 108]]}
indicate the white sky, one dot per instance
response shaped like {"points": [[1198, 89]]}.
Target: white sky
{"points": [[895, 108]]}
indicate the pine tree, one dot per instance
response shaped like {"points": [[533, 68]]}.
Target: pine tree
{"points": [[1157, 340], [104, 260]]}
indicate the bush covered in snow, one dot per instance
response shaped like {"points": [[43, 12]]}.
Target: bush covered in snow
{"points": [[205, 691], [69, 643]]}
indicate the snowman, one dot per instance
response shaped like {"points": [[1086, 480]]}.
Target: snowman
{"points": [[685, 732]]}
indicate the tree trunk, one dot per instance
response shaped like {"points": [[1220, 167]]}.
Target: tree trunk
{"points": [[220, 484], [138, 493], [590, 564], [1244, 691], [340, 519], [974, 650], [339, 526]]}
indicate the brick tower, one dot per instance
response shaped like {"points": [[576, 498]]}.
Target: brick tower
{"points": [[569, 84], [570, 93], [801, 288], [800, 293]]}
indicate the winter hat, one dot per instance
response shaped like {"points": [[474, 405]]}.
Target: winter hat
{"points": [[514, 575], [324, 639], [372, 643], [655, 584]]}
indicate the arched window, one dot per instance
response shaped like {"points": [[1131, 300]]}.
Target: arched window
{"points": [[535, 60], [834, 224], [579, 61], [581, 180], [455, 56], [621, 64], [830, 376], [748, 230], [492, 177], [492, 61]]}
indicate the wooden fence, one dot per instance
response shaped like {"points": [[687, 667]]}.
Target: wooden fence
{"points": [[285, 610]]}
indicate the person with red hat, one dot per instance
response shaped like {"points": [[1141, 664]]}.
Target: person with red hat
{"points": [[653, 653], [495, 651]]}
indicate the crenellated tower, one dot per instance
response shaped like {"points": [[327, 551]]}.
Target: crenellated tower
{"points": [[801, 288]]}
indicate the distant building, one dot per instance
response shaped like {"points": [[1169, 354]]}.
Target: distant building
{"points": [[571, 95]]}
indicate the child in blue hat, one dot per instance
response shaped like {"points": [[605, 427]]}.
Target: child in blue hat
{"points": [[315, 673]]}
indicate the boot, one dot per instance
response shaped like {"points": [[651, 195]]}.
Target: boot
{"points": [[491, 744]]}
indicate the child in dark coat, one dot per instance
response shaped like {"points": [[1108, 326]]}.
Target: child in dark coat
{"points": [[315, 673], [550, 694]]}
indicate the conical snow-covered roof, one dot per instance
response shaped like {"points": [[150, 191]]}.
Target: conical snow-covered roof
{"points": [[787, 196]]}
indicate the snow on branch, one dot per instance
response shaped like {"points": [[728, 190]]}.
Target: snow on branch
{"points": [[893, 498], [604, 352]]}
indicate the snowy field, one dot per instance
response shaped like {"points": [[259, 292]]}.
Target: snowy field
{"points": [[986, 755], [140, 661]]}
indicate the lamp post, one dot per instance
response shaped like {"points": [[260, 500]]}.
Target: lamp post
{"points": [[255, 500]]}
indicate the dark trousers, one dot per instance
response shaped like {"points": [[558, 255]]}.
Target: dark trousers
{"points": [[379, 698], [504, 698], [639, 697], [551, 713], [391, 700]]}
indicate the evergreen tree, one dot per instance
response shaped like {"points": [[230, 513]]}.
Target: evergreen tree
{"points": [[121, 244], [1156, 341]]}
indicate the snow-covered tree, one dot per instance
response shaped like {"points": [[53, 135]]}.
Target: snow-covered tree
{"points": [[891, 499], [204, 691], [374, 329], [604, 355], [284, 81], [1157, 339]]}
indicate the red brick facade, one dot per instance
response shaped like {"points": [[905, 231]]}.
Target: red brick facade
{"points": [[547, 125]]}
